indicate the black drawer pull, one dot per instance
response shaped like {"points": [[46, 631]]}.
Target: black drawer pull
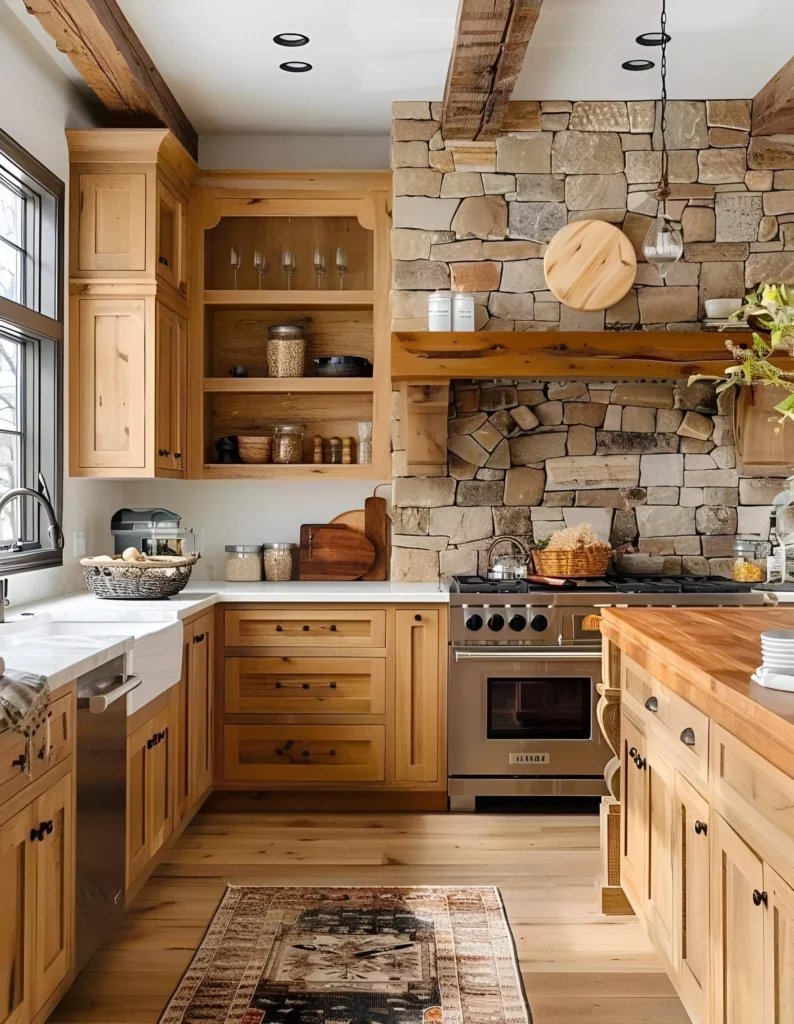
{"points": [[640, 761], [760, 897], [150, 742], [177, 455], [332, 685], [418, 618], [633, 752], [305, 686], [160, 736], [19, 762], [163, 260], [36, 834], [278, 751], [305, 629], [279, 629], [701, 828], [304, 753], [688, 737], [333, 628], [332, 753], [278, 685], [48, 827], [652, 704]]}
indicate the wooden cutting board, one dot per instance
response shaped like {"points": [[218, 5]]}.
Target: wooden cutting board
{"points": [[590, 265], [373, 521], [334, 552]]}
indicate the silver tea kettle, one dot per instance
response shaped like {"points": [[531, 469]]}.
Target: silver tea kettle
{"points": [[514, 566]]}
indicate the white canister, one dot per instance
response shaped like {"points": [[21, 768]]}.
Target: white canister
{"points": [[462, 311], [439, 311]]}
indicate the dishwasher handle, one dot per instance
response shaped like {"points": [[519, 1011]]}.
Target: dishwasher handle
{"points": [[102, 701], [528, 654]]}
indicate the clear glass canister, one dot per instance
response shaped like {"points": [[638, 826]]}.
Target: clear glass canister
{"points": [[278, 562], [243, 563], [286, 350], [288, 443], [749, 563]]}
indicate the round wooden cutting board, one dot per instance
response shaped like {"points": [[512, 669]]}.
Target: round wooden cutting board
{"points": [[590, 265]]}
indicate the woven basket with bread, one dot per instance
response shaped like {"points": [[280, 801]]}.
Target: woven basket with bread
{"points": [[136, 577], [572, 553]]}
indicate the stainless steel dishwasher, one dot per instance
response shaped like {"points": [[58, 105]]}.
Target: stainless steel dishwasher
{"points": [[101, 801]]}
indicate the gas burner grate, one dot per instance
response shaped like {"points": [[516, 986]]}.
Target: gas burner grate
{"points": [[609, 584]]}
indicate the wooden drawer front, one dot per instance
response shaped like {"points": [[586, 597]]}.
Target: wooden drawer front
{"points": [[672, 719], [275, 627], [12, 749], [305, 753], [305, 686]]}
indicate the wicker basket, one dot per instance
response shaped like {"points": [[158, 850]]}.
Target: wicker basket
{"points": [[577, 563], [155, 577], [255, 450]]}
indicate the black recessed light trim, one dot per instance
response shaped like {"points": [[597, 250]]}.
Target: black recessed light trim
{"points": [[297, 67], [653, 38], [632, 65], [290, 39]]}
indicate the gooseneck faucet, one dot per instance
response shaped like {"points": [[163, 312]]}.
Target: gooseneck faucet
{"points": [[42, 496]]}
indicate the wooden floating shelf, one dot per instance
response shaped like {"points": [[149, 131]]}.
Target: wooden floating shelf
{"points": [[279, 299], [289, 385], [428, 356], [294, 471]]}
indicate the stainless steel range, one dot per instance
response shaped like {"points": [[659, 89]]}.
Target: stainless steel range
{"points": [[524, 663]]}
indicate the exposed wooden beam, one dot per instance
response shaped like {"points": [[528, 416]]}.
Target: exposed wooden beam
{"points": [[100, 42], [491, 40], [773, 107]]}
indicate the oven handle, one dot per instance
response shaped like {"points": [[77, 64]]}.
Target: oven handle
{"points": [[530, 655]]}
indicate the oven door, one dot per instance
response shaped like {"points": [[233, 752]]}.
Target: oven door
{"points": [[525, 713]]}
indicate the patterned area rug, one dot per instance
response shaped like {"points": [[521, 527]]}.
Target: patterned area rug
{"points": [[425, 955]]}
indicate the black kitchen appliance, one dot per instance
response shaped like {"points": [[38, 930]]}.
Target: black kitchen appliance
{"points": [[153, 531]]}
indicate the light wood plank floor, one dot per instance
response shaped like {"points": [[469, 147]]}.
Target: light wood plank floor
{"points": [[578, 965]]}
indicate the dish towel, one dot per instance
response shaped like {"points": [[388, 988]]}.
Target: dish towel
{"points": [[25, 709]]}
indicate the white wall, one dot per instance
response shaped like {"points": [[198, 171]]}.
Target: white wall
{"points": [[294, 152], [36, 103]]}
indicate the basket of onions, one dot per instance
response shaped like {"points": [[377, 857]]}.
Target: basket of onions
{"points": [[573, 553]]}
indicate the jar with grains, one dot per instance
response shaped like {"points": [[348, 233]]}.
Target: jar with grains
{"points": [[750, 554], [278, 562], [288, 443], [243, 563], [286, 350]]}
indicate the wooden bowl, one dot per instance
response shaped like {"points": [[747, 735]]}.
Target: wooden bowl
{"points": [[255, 449]]}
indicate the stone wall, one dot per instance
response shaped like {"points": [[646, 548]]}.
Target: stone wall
{"points": [[477, 216], [650, 465]]}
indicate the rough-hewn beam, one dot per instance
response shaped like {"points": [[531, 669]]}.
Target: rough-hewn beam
{"points": [[100, 42], [773, 107], [490, 43]]}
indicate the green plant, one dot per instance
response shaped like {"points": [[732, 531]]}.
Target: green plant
{"points": [[540, 545], [769, 309]]}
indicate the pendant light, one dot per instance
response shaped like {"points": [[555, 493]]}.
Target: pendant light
{"points": [[664, 243]]}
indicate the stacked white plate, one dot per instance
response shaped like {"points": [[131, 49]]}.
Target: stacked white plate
{"points": [[777, 671]]}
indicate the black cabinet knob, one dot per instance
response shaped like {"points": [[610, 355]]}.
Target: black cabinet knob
{"points": [[305, 629], [278, 685], [304, 753], [150, 743], [305, 686], [163, 260], [279, 629], [177, 455], [652, 704], [760, 897], [633, 752], [640, 761], [332, 685], [418, 618], [333, 628], [332, 753], [701, 828]]}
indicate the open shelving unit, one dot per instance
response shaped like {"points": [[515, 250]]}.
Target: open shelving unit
{"points": [[230, 314]]}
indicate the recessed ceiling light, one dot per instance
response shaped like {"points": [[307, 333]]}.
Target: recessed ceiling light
{"points": [[631, 65], [296, 66], [653, 38], [291, 39]]}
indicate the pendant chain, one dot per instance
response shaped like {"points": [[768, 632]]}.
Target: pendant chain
{"points": [[664, 185]]}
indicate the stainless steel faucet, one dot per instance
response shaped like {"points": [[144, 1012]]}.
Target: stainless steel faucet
{"points": [[42, 496]]}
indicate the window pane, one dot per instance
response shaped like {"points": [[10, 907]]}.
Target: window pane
{"points": [[11, 278], [10, 384], [10, 476], [12, 214]]}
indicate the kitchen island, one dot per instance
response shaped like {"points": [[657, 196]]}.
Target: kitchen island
{"points": [[706, 803]]}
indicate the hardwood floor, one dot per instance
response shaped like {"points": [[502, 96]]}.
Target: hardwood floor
{"points": [[578, 965]]}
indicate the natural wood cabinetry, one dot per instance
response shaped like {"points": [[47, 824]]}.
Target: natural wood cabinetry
{"points": [[416, 695], [305, 686], [691, 874], [634, 801], [150, 791], [306, 627], [778, 949], [128, 303], [17, 917]]}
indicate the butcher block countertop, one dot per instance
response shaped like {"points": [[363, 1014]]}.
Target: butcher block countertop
{"points": [[706, 656]]}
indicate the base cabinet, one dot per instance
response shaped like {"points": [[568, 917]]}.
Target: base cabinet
{"points": [[691, 874], [150, 791]]}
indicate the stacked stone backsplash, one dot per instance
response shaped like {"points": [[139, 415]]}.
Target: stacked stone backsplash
{"points": [[477, 217], [651, 466]]}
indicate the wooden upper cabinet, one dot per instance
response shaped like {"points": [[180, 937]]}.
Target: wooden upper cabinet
{"points": [[417, 686], [171, 237], [112, 222], [760, 450]]}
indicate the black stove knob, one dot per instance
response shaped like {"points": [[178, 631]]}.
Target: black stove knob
{"points": [[539, 623], [517, 623], [474, 622], [496, 622]]}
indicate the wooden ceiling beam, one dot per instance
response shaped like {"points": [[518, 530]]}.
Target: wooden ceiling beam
{"points": [[491, 39], [101, 44], [773, 107]]}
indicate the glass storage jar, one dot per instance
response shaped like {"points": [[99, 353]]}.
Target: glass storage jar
{"points": [[749, 564], [288, 443], [278, 562], [286, 350], [243, 563]]}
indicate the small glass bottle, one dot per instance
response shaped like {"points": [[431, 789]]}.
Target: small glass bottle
{"points": [[335, 450], [288, 443]]}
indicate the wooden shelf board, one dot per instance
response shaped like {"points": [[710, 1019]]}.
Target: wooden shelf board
{"points": [[425, 356], [278, 299], [297, 471], [290, 385]]}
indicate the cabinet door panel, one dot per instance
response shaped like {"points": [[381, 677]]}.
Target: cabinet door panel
{"points": [[416, 696], [660, 907], [112, 226], [160, 791], [179, 396], [17, 918], [112, 361], [171, 222], [55, 867], [137, 818], [778, 950], [737, 926], [634, 823], [179, 724], [165, 362], [199, 702], [692, 883]]}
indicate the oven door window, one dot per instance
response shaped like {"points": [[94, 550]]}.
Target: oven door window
{"points": [[543, 708]]}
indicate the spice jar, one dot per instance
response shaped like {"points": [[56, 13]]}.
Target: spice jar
{"points": [[288, 443], [243, 563], [286, 350], [750, 554], [335, 450], [278, 562]]}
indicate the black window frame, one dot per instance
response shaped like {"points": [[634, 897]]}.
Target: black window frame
{"points": [[41, 336]]}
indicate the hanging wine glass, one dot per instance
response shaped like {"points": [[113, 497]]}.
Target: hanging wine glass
{"points": [[341, 265], [236, 263], [289, 266], [260, 265], [319, 266]]}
